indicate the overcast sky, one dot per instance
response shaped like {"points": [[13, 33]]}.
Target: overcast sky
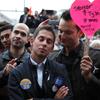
{"points": [[18, 5], [36, 4]]}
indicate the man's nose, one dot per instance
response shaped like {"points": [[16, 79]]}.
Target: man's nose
{"points": [[44, 42], [18, 35]]}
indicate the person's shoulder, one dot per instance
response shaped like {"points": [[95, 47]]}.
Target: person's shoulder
{"points": [[21, 69], [54, 54], [22, 15], [56, 65], [58, 68], [19, 72], [95, 56], [26, 55], [94, 51], [4, 54]]}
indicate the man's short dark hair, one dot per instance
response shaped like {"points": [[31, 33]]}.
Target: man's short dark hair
{"points": [[67, 17], [5, 26], [26, 9], [44, 27]]}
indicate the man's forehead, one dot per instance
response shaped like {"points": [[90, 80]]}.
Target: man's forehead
{"points": [[45, 33], [7, 31], [21, 26], [66, 24], [21, 29]]}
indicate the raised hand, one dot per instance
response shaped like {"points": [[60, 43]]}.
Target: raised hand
{"points": [[10, 65]]}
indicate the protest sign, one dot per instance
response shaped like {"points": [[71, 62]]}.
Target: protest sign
{"points": [[86, 15]]}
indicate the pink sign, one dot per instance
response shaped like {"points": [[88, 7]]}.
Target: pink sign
{"points": [[86, 15]]}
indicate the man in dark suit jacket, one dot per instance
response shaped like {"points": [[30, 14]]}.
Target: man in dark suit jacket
{"points": [[83, 69], [27, 18], [39, 78]]}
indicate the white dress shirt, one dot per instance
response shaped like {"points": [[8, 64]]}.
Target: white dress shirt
{"points": [[39, 71]]}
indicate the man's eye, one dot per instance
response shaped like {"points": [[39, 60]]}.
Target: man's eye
{"points": [[16, 32], [41, 38], [5, 36], [49, 41], [69, 32], [23, 34], [2, 37]]}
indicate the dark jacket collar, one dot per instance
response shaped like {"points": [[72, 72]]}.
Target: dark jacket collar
{"points": [[77, 51], [7, 55]]}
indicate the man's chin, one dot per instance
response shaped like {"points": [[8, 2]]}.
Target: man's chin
{"points": [[6, 46], [18, 46], [42, 55]]}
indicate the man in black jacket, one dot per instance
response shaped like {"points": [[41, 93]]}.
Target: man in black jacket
{"points": [[39, 78], [15, 55], [27, 18], [81, 69]]}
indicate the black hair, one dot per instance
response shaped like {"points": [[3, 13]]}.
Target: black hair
{"points": [[5, 26], [3, 23], [44, 27], [67, 17], [26, 8]]}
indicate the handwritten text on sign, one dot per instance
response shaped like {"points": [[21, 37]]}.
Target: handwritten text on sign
{"points": [[86, 15]]}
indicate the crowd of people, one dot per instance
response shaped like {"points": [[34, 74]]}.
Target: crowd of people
{"points": [[32, 21], [39, 63]]}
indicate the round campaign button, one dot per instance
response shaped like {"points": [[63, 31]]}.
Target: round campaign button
{"points": [[25, 84], [58, 83]]}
